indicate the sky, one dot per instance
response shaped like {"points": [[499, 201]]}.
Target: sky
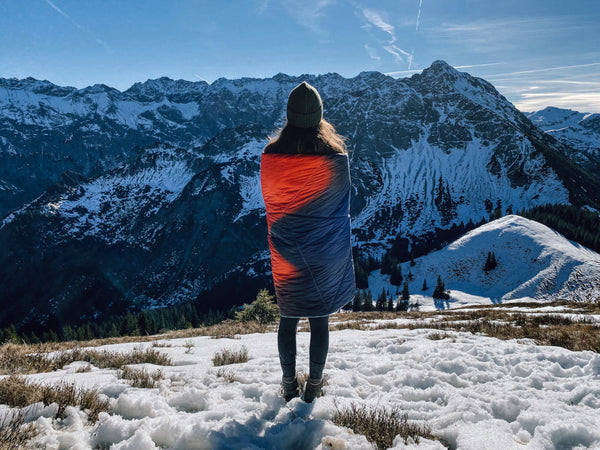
{"points": [[537, 53]]}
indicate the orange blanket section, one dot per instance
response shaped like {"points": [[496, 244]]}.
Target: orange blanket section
{"points": [[288, 183]]}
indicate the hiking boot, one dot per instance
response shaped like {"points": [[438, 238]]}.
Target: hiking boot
{"points": [[290, 388], [312, 389]]}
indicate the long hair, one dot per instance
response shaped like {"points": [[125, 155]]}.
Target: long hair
{"points": [[319, 140]]}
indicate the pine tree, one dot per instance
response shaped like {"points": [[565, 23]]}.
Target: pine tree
{"points": [[396, 275], [390, 303], [405, 293], [490, 262], [262, 310], [439, 292], [381, 301], [424, 288], [368, 305]]}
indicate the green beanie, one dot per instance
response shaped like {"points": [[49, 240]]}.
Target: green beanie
{"points": [[304, 107]]}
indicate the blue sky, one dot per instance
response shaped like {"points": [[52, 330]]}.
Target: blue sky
{"points": [[536, 52]]}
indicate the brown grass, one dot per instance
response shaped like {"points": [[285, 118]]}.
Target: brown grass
{"points": [[140, 377], [14, 433], [18, 392], [379, 425], [227, 374], [17, 359], [495, 321], [227, 356]]}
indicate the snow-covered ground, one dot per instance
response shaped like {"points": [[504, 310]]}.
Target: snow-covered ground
{"points": [[473, 391]]}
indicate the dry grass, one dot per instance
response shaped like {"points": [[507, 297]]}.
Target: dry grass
{"points": [[227, 356], [380, 426], [17, 359], [495, 321], [14, 433], [83, 369], [140, 377], [18, 392], [227, 374]]}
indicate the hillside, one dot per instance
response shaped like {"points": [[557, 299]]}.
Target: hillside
{"points": [[534, 263]]}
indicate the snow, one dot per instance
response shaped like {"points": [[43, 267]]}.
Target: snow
{"points": [[535, 263], [473, 391], [412, 175]]}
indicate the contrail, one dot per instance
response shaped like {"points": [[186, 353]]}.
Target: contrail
{"points": [[419, 15]]}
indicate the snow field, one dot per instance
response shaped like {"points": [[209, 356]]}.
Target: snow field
{"points": [[474, 392]]}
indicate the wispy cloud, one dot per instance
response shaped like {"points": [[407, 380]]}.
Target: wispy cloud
{"points": [[584, 101], [545, 69], [372, 52], [98, 41], [400, 73], [376, 19], [419, 15], [307, 13]]}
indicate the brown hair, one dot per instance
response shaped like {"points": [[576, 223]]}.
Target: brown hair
{"points": [[319, 140]]}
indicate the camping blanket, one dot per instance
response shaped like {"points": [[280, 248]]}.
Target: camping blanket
{"points": [[307, 198]]}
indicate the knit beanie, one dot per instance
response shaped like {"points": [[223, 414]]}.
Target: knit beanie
{"points": [[304, 107]]}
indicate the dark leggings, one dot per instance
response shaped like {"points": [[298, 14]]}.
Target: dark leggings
{"points": [[319, 345]]}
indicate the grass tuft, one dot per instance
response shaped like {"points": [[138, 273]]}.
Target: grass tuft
{"points": [[227, 374], [380, 426], [14, 433], [227, 356], [140, 377], [19, 360], [18, 392]]}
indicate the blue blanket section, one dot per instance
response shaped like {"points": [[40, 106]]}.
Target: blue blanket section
{"points": [[315, 238]]}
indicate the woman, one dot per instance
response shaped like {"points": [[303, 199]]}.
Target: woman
{"points": [[305, 180]]}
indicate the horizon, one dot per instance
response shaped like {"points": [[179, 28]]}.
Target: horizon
{"points": [[536, 53]]}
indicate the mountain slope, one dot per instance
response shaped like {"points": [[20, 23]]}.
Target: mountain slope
{"points": [[579, 131], [534, 262]]}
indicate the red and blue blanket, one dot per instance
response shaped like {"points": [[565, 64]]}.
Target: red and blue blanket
{"points": [[307, 198]]}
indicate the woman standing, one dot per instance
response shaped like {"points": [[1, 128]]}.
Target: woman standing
{"points": [[305, 180]]}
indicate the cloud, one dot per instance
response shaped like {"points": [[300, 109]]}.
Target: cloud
{"points": [[307, 13], [100, 42], [580, 101], [545, 69], [372, 52], [375, 19], [419, 15]]}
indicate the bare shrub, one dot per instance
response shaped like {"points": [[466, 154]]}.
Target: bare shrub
{"points": [[18, 392], [227, 356], [380, 426], [140, 377]]}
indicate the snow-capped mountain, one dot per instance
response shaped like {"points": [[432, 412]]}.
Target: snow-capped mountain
{"points": [[163, 223], [533, 262], [579, 131]]}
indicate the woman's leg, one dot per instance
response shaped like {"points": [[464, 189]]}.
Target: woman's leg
{"points": [[286, 343], [319, 345]]}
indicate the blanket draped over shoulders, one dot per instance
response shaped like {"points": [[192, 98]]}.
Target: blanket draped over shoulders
{"points": [[307, 198]]}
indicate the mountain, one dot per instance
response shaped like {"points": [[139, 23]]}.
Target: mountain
{"points": [[132, 222], [533, 262], [579, 131]]}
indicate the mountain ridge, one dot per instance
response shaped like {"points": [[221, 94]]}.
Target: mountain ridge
{"points": [[428, 154]]}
